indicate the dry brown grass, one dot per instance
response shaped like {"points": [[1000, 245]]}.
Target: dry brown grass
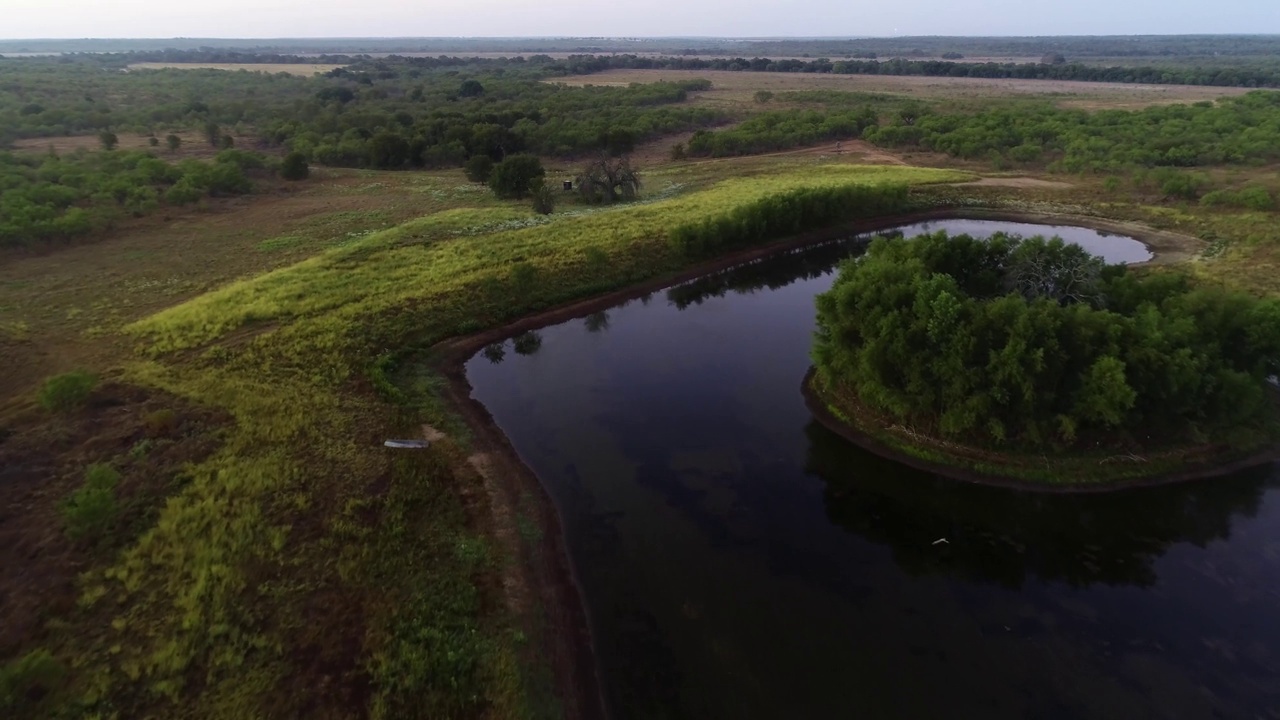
{"points": [[303, 69], [736, 88]]}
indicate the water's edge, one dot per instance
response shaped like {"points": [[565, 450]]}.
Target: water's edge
{"points": [[818, 408], [567, 640]]}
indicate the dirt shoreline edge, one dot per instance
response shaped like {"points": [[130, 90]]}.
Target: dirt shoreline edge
{"points": [[567, 637]]}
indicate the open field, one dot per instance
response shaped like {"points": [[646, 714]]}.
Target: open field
{"points": [[301, 69], [274, 560], [284, 355], [736, 88]]}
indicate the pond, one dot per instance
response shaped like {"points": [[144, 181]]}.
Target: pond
{"points": [[738, 560]]}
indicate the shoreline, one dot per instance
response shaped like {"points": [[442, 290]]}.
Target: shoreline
{"points": [[863, 439], [568, 643]]}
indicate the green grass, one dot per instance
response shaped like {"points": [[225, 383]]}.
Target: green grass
{"points": [[303, 541]]}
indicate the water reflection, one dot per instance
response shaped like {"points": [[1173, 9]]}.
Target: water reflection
{"points": [[1008, 537]]}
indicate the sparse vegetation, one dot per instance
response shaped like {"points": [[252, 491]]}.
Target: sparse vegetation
{"points": [[27, 682]]}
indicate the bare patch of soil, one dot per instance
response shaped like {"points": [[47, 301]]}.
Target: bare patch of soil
{"points": [[1019, 182]]}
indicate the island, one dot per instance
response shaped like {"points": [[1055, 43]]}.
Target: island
{"points": [[1030, 362]]}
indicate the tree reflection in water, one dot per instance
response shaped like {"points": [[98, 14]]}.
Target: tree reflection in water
{"points": [[1008, 537]]}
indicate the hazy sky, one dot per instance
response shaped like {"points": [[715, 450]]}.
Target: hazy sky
{"points": [[403, 18]]}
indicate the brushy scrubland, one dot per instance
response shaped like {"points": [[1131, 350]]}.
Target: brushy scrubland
{"points": [[302, 523]]}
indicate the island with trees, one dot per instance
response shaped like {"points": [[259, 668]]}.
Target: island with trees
{"points": [[1029, 361]]}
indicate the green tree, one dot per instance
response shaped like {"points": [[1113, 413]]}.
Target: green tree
{"points": [[295, 167], [108, 140], [388, 151], [609, 180], [478, 168], [173, 142], [1105, 395], [515, 176], [213, 134], [470, 88]]}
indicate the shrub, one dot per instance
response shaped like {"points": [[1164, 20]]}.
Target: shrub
{"points": [[27, 680], [544, 199], [67, 392], [183, 193], [91, 510], [173, 142], [1250, 198], [161, 423], [295, 167], [478, 168], [108, 140], [243, 159], [515, 176]]}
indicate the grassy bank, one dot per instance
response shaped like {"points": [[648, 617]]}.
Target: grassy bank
{"points": [[302, 548]]}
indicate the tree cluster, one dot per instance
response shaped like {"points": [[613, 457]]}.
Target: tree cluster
{"points": [[1032, 344], [47, 197], [1239, 130], [782, 130], [1254, 74], [787, 213]]}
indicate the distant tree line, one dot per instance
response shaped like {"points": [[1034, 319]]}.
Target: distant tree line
{"points": [[1033, 344], [1256, 74], [1244, 130], [782, 130]]}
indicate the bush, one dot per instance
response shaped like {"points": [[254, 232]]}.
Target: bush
{"points": [[515, 176], [243, 159], [183, 193], [91, 510], [108, 140], [161, 423], [544, 199], [479, 168], [789, 213], [67, 392], [1250, 198], [27, 680], [295, 167]]}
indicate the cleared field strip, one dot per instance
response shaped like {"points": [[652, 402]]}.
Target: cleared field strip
{"points": [[291, 68]]}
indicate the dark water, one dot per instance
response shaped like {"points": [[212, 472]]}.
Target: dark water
{"points": [[740, 561]]}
